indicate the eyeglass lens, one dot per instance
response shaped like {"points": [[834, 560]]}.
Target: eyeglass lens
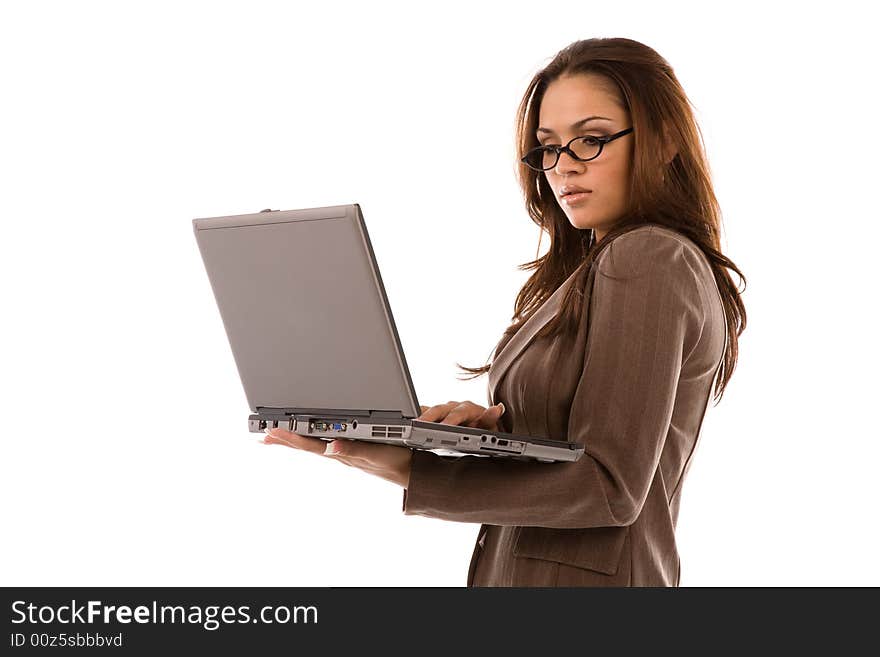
{"points": [[545, 157]]}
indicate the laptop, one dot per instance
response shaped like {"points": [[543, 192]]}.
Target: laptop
{"points": [[314, 341]]}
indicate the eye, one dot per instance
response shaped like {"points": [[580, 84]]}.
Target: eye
{"points": [[592, 139]]}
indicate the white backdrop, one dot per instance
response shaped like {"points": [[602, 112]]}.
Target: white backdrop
{"points": [[126, 458]]}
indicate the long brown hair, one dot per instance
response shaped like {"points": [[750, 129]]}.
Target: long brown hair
{"points": [[676, 194]]}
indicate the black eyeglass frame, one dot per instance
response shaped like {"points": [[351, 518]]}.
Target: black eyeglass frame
{"points": [[602, 141]]}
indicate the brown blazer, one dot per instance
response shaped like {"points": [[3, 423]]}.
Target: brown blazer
{"points": [[633, 389]]}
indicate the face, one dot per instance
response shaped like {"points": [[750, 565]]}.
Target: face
{"points": [[566, 102]]}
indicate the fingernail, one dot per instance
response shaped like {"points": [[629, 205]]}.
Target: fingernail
{"points": [[330, 449], [502, 407], [267, 430]]}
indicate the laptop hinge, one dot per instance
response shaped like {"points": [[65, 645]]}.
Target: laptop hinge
{"points": [[384, 415]]}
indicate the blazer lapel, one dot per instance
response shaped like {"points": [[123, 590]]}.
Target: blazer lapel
{"points": [[526, 334]]}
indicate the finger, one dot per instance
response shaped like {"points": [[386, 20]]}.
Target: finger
{"points": [[350, 450], [336, 450], [463, 413], [489, 422], [481, 421], [358, 451], [295, 440], [495, 411], [489, 418], [437, 413]]}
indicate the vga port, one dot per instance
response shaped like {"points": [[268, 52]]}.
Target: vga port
{"points": [[324, 425]]}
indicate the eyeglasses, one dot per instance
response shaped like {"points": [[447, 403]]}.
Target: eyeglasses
{"points": [[582, 149]]}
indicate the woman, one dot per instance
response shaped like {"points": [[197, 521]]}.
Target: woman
{"points": [[627, 321]]}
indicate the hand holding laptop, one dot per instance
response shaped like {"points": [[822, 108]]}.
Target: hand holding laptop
{"points": [[389, 462]]}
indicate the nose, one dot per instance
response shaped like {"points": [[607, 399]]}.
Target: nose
{"points": [[567, 163]]}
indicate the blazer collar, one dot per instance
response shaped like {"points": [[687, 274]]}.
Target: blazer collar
{"points": [[526, 333]]}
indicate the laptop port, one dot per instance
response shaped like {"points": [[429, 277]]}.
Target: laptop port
{"points": [[327, 425], [507, 446]]}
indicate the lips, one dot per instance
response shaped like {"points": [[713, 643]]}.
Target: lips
{"points": [[572, 189]]}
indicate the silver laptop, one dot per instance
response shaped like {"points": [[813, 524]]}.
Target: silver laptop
{"points": [[312, 335]]}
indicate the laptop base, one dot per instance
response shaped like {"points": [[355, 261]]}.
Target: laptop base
{"points": [[393, 429]]}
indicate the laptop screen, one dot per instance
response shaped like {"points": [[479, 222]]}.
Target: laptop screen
{"points": [[305, 311]]}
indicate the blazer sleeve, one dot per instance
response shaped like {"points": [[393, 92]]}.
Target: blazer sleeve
{"points": [[645, 318]]}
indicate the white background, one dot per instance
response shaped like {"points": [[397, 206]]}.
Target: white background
{"points": [[126, 459]]}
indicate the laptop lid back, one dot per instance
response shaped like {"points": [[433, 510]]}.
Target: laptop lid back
{"points": [[305, 310]]}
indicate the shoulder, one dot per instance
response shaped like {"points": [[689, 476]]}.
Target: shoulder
{"points": [[649, 249]]}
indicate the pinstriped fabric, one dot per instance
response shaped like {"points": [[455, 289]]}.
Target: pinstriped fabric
{"points": [[631, 386]]}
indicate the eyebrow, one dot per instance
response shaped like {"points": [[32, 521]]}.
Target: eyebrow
{"points": [[578, 124]]}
